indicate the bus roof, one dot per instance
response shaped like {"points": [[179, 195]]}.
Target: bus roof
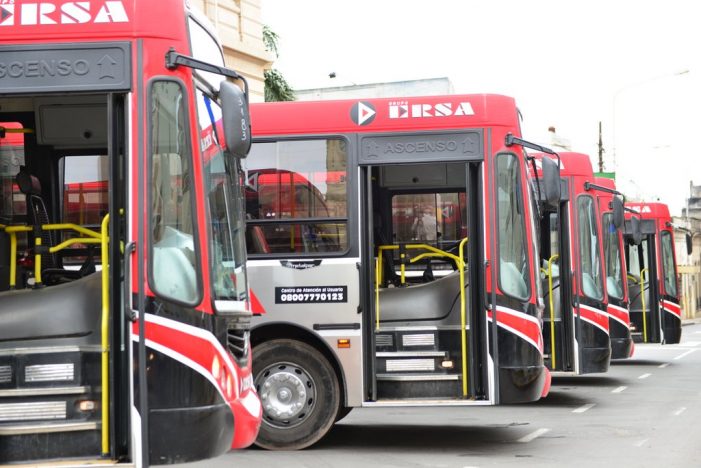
{"points": [[384, 114], [575, 164], [656, 210], [605, 182], [38, 21]]}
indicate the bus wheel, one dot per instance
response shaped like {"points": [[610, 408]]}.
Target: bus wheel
{"points": [[299, 392]]}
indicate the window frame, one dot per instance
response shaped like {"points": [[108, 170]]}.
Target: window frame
{"points": [[595, 220], [196, 236], [347, 220], [608, 216], [668, 235]]}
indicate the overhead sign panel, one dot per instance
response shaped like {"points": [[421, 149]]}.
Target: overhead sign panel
{"points": [[65, 67]]}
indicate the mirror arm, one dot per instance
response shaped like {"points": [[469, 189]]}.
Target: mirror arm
{"points": [[590, 186], [173, 59]]}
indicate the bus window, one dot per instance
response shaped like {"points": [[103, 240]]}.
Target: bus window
{"points": [[435, 218], [296, 197], [670, 279], [514, 277], [173, 249], [85, 189], [614, 276], [589, 253], [13, 201]]}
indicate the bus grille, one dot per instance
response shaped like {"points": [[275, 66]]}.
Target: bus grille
{"points": [[32, 411], [5, 374], [238, 344]]}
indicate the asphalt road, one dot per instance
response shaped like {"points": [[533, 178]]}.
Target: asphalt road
{"points": [[644, 412]]}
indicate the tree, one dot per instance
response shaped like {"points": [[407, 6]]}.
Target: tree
{"points": [[276, 87]]}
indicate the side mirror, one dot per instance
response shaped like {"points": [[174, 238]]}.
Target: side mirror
{"points": [[551, 181], [636, 230], [689, 244], [618, 217], [236, 119]]}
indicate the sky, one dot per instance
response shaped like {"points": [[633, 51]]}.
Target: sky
{"points": [[633, 66]]}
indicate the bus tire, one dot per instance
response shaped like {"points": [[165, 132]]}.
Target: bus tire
{"points": [[343, 412], [299, 392]]}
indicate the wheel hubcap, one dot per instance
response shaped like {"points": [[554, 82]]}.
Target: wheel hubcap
{"points": [[287, 393]]}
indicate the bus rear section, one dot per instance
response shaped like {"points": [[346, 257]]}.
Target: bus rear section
{"points": [[655, 310], [123, 318], [575, 322], [611, 207], [391, 258]]}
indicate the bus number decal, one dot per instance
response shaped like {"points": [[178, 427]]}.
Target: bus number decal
{"points": [[311, 294]]}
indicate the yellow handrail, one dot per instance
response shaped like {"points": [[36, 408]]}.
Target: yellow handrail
{"points": [[378, 273], [432, 252], [104, 327], [642, 299], [12, 231], [551, 260], [92, 237], [463, 317]]}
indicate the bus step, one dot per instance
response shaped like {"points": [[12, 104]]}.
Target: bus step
{"points": [[397, 386], [413, 361], [37, 441], [406, 338]]}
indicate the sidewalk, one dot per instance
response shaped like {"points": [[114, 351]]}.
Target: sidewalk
{"points": [[691, 321]]}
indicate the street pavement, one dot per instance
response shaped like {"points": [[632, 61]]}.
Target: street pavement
{"points": [[644, 412]]}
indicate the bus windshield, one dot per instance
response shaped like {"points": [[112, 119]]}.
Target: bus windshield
{"points": [[226, 231]]}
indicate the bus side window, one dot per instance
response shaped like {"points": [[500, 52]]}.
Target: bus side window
{"points": [[296, 197]]}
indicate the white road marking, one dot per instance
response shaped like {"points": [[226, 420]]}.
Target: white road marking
{"points": [[644, 376], [662, 366], [690, 343], [641, 443], [679, 411], [533, 435], [584, 408], [685, 353], [619, 389]]}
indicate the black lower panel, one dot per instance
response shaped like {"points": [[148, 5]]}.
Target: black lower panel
{"points": [[672, 330], [621, 347], [51, 446], [189, 434], [595, 360], [521, 384]]}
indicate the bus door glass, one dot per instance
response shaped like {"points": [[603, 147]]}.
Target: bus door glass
{"points": [[639, 288]]}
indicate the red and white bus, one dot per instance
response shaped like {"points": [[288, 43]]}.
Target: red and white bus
{"points": [[655, 311], [392, 256], [576, 324], [622, 346], [124, 316]]}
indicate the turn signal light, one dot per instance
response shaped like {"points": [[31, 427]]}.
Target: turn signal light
{"points": [[343, 343], [87, 405]]}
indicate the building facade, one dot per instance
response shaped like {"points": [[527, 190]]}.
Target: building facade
{"points": [[240, 28], [689, 265]]}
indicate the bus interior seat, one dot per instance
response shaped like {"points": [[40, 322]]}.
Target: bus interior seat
{"points": [[37, 215]]}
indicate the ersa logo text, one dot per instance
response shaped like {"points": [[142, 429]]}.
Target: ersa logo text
{"points": [[37, 13], [363, 112]]}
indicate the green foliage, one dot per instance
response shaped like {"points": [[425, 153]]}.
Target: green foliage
{"points": [[276, 87]]}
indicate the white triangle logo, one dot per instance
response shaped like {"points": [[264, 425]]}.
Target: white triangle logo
{"points": [[364, 113]]}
